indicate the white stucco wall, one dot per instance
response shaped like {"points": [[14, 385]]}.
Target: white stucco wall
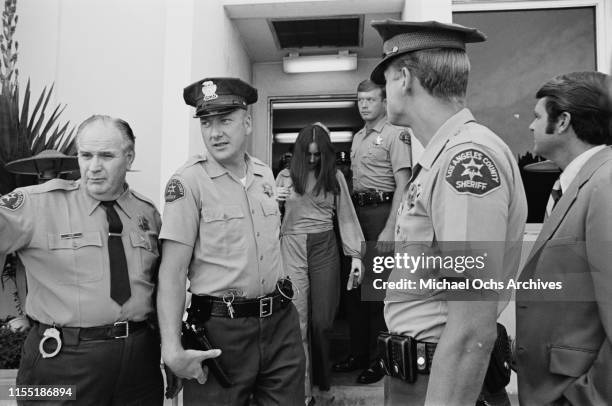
{"points": [[105, 57], [271, 81]]}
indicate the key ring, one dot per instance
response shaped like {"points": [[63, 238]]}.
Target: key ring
{"points": [[296, 290], [226, 295], [50, 333]]}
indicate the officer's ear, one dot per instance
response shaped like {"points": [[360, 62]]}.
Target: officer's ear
{"points": [[130, 154], [248, 124], [407, 79]]}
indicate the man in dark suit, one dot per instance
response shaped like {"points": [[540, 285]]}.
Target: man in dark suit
{"points": [[564, 293]]}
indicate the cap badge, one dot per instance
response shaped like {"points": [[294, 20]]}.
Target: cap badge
{"points": [[209, 90]]}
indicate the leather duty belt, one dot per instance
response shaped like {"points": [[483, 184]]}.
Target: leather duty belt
{"points": [[371, 197]]}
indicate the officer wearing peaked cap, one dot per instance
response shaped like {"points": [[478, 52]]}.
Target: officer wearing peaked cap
{"points": [[221, 230], [465, 189]]}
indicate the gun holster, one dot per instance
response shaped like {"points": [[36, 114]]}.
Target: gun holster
{"points": [[195, 338]]}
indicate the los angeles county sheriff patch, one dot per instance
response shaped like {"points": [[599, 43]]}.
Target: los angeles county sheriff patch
{"points": [[405, 137], [472, 172], [174, 190], [12, 201]]}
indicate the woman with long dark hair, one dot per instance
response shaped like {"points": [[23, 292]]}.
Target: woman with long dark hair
{"points": [[317, 192]]}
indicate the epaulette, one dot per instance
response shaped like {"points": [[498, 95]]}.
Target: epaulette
{"points": [[54, 184], [142, 198], [190, 162], [256, 161]]}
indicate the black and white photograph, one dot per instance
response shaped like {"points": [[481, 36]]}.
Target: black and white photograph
{"points": [[306, 202]]}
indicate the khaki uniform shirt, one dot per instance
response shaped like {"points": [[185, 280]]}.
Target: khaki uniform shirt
{"points": [[376, 156], [61, 234], [466, 187], [233, 228]]}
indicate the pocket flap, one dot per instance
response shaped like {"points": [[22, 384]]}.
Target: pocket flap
{"points": [[74, 240], [561, 241], [220, 213], [139, 240], [572, 362], [269, 207]]}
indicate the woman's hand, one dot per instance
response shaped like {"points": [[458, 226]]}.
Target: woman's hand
{"points": [[356, 275], [282, 193]]}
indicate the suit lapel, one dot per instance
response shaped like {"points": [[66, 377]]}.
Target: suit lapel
{"points": [[567, 200]]}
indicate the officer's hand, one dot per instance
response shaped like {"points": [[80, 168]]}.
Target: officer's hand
{"points": [[19, 324], [187, 364], [385, 243], [356, 275], [174, 384]]}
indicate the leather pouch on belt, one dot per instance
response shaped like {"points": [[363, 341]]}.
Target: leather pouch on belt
{"points": [[398, 353]]}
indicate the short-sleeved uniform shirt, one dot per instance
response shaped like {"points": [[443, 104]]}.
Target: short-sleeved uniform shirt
{"points": [[61, 235], [376, 155], [233, 228], [465, 187]]}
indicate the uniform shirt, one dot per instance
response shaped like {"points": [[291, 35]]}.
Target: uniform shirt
{"points": [[377, 154], [466, 187], [233, 228], [61, 234], [308, 213]]}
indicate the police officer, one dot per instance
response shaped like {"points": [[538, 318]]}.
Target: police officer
{"points": [[221, 230], [381, 159], [466, 187], [90, 252]]}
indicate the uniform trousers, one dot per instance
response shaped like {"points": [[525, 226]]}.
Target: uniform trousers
{"points": [[398, 392], [122, 371], [366, 318], [262, 356], [313, 263]]}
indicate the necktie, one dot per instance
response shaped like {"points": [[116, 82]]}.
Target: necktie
{"points": [[555, 195], [119, 277]]}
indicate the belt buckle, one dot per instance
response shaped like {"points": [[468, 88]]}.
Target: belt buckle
{"points": [[127, 328], [265, 306]]}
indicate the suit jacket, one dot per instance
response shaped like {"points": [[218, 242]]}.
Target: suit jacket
{"points": [[564, 336]]}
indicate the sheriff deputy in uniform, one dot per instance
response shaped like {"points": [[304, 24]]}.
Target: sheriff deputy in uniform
{"points": [[466, 187], [90, 252], [221, 230], [381, 159]]}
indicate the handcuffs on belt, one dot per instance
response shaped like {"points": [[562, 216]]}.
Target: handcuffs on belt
{"points": [[50, 333]]}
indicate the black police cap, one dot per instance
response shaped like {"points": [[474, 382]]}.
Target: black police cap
{"points": [[400, 37], [214, 96]]}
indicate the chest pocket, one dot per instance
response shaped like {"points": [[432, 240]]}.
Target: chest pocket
{"points": [[78, 259], [222, 227], [271, 218], [378, 152], [145, 254]]}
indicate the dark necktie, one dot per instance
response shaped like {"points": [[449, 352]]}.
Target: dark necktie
{"points": [[555, 196], [119, 277]]}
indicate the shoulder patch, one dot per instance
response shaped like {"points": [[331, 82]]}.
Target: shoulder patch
{"points": [[12, 201], [472, 172], [405, 137], [174, 190]]}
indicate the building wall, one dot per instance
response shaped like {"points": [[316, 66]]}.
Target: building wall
{"points": [[271, 81]]}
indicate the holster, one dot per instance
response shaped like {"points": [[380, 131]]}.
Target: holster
{"points": [[403, 357], [195, 338], [498, 373]]}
